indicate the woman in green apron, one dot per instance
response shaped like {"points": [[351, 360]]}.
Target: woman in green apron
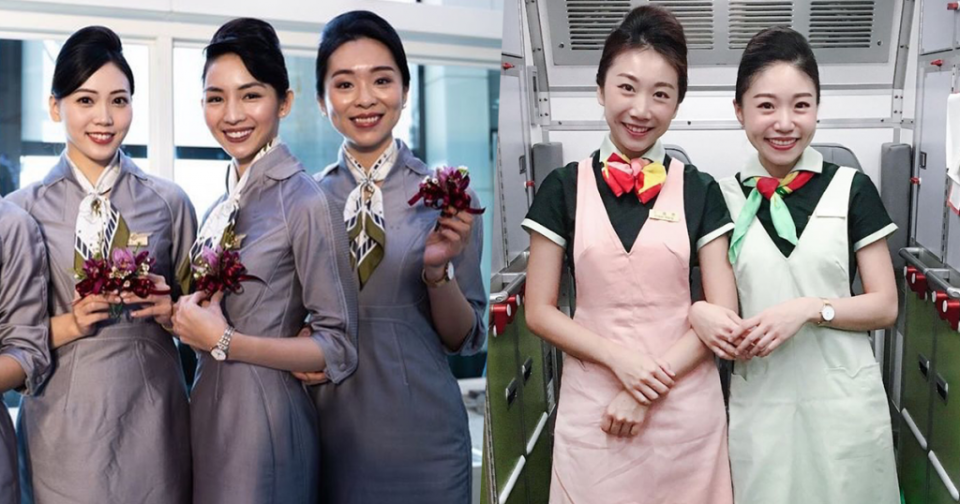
{"points": [[809, 420]]}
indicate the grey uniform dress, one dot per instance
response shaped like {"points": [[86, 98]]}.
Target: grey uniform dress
{"points": [[23, 323], [254, 428], [397, 430], [112, 423]]}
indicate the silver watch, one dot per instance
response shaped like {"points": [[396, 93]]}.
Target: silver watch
{"points": [[220, 351]]}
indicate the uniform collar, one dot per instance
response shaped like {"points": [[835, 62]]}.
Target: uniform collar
{"points": [[274, 161], [64, 169], [405, 159], [811, 160], [655, 153]]}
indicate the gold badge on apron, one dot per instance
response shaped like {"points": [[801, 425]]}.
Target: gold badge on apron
{"points": [[664, 216]]}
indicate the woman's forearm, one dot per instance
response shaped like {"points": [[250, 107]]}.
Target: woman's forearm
{"points": [[289, 354], [865, 312], [452, 315], [12, 375], [63, 330], [877, 307], [686, 353], [558, 329], [719, 288]]}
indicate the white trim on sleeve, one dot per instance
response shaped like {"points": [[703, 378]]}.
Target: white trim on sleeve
{"points": [[713, 235], [882, 233], [532, 225]]}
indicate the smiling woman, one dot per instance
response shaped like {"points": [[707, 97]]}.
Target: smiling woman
{"points": [[640, 415], [92, 418], [422, 292], [254, 428]]}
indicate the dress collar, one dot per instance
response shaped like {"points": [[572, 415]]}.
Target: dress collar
{"points": [[655, 153], [811, 160]]}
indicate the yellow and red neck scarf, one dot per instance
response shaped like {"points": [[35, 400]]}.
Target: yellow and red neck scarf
{"points": [[773, 189], [641, 176]]}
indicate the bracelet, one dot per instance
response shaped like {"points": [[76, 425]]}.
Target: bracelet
{"points": [[222, 348], [447, 276]]}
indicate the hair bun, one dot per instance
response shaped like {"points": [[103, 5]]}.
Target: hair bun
{"points": [[83, 54], [247, 31], [100, 36], [257, 45]]}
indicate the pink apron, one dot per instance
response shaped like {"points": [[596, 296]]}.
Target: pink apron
{"points": [[640, 300]]}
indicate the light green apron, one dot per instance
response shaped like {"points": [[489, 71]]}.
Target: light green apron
{"points": [[810, 422]]}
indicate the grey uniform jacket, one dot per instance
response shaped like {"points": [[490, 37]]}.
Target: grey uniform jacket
{"points": [[255, 430], [112, 422], [397, 430]]}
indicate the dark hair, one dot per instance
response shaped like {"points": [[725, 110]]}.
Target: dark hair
{"points": [[651, 27], [257, 45], [773, 45], [85, 52], [355, 25]]}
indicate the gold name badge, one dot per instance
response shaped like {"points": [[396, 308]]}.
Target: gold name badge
{"points": [[234, 241], [664, 216], [138, 240]]}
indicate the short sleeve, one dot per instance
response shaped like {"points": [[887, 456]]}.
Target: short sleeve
{"points": [[549, 214], [715, 221], [868, 218]]}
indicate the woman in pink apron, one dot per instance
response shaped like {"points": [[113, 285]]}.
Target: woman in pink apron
{"points": [[641, 416]]}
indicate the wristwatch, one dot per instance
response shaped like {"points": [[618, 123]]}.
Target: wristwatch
{"points": [[826, 312], [222, 348], [447, 276]]}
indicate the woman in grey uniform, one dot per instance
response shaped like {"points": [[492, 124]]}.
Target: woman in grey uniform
{"points": [[111, 425], [397, 429], [254, 427], [24, 348]]}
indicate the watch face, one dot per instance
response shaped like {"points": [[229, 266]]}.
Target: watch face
{"points": [[828, 313], [218, 354]]}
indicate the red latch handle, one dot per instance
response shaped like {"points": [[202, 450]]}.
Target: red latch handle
{"points": [[918, 283], [514, 303], [915, 180], [530, 183], [500, 315], [507, 65], [939, 299], [937, 62], [950, 311], [907, 272], [953, 5]]}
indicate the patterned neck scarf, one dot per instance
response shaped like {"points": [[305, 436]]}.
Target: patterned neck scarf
{"points": [[99, 225], [363, 212], [774, 190], [224, 215], [641, 176]]}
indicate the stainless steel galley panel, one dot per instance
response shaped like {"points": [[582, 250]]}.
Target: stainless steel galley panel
{"points": [[938, 25], [513, 163], [931, 161]]}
